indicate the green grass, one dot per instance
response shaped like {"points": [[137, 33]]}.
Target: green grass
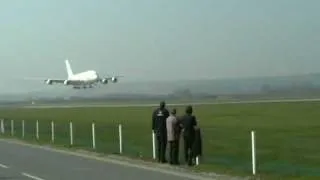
{"points": [[287, 134]]}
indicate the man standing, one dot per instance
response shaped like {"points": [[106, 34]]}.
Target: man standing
{"points": [[173, 137], [159, 117], [197, 145], [189, 124], [178, 128]]}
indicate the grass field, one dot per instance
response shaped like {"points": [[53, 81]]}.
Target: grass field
{"points": [[287, 134]]}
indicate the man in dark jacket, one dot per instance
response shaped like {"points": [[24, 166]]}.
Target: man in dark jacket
{"points": [[197, 145], [189, 124], [159, 117]]}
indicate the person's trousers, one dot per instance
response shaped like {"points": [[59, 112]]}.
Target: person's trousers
{"points": [[188, 151], [174, 151], [161, 148]]}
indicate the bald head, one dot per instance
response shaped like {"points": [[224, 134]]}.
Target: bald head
{"points": [[174, 111], [162, 104], [189, 109]]}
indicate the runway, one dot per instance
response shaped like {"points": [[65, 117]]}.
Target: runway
{"points": [[169, 104], [22, 161]]}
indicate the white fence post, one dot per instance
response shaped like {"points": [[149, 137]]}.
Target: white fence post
{"points": [[71, 133], [37, 130], [153, 145], [22, 128], [52, 131], [2, 126], [93, 136], [253, 152], [12, 127], [120, 138], [197, 161]]}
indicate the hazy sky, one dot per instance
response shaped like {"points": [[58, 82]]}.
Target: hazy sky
{"points": [[141, 38]]}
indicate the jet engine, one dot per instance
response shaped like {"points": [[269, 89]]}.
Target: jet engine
{"points": [[114, 79], [48, 81], [104, 81]]}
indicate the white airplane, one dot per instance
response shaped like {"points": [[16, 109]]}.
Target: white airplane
{"points": [[83, 79]]}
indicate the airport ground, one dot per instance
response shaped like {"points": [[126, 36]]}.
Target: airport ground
{"points": [[287, 134]]}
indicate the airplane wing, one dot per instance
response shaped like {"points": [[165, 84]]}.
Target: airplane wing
{"points": [[47, 81], [54, 81], [50, 81], [113, 79], [63, 81]]}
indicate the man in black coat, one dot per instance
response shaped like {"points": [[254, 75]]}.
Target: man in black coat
{"points": [[189, 124], [159, 117], [197, 145]]}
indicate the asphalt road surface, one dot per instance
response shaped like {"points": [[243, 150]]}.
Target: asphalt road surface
{"points": [[20, 161]]}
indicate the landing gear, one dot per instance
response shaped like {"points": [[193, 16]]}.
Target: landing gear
{"points": [[83, 86], [88, 86]]}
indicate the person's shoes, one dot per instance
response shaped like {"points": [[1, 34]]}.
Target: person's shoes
{"points": [[164, 161], [190, 164], [176, 163]]}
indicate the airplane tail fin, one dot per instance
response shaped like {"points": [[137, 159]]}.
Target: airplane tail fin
{"points": [[68, 66]]}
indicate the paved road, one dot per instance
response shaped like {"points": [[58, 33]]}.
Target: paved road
{"points": [[18, 161], [173, 104]]}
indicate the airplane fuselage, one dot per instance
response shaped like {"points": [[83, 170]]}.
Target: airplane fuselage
{"points": [[89, 76], [84, 79]]}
